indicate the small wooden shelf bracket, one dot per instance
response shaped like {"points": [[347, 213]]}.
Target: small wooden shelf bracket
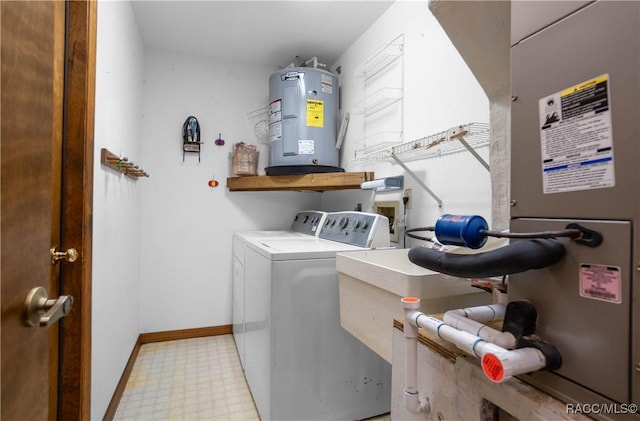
{"points": [[121, 164]]}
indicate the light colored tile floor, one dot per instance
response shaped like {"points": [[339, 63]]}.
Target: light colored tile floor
{"points": [[197, 379], [191, 379]]}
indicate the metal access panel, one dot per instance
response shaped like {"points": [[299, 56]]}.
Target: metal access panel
{"points": [[600, 41], [575, 152], [584, 304]]}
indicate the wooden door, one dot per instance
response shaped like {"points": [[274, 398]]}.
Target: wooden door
{"points": [[32, 115], [47, 149]]}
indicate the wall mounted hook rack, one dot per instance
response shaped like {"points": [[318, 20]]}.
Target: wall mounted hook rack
{"points": [[121, 164]]}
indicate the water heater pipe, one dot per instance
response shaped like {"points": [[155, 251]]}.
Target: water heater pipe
{"points": [[472, 320], [498, 363], [314, 60]]}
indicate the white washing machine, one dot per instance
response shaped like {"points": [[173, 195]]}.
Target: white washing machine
{"points": [[299, 362], [305, 225]]}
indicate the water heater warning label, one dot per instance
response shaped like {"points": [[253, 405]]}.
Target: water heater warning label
{"points": [[576, 140], [275, 120], [326, 82], [315, 113], [601, 283]]}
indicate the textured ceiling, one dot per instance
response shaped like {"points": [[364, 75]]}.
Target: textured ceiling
{"points": [[270, 33]]}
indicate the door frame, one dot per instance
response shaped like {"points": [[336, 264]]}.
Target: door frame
{"points": [[74, 391]]}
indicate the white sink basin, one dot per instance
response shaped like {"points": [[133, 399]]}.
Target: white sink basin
{"points": [[392, 271], [372, 282]]}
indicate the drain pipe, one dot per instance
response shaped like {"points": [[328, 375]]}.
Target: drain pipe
{"points": [[498, 363], [411, 399], [472, 320]]}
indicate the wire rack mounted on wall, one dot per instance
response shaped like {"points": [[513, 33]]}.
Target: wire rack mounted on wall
{"points": [[259, 119], [121, 164], [457, 139], [382, 58], [465, 137]]}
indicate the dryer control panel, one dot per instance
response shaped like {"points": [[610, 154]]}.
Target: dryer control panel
{"points": [[361, 229]]}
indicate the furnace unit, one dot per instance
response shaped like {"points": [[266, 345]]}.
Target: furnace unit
{"points": [[575, 150]]}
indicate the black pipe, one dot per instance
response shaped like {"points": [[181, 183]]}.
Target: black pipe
{"points": [[518, 256]]}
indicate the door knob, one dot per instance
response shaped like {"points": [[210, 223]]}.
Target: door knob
{"points": [[70, 255], [40, 310]]}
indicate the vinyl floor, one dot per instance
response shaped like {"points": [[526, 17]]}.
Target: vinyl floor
{"points": [[197, 379]]}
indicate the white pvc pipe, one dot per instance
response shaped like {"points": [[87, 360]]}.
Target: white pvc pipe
{"points": [[498, 363], [314, 60], [471, 320], [484, 313], [411, 397], [504, 365]]}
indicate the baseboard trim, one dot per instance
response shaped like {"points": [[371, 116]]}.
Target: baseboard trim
{"points": [[174, 335], [117, 394], [147, 338]]}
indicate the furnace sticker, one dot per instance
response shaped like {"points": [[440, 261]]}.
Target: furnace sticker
{"points": [[576, 140], [315, 113], [601, 282]]}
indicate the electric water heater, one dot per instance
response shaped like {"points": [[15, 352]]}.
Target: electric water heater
{"points": [[303, 121]]}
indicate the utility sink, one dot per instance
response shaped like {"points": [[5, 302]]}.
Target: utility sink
{"points": [[372, 282]]}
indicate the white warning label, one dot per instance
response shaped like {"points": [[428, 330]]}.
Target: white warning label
{"points": [[306, 147], [576, 140], [275, 120], [601, 282], [326, 82]]}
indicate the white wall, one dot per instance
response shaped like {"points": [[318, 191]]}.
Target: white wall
{"points": [[116, 206], [187, 226], [439, 92]]}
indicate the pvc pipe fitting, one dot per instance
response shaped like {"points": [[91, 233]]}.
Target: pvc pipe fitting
{"points": [[469, 320], [500, 366], [415, 405], [498, 363]]}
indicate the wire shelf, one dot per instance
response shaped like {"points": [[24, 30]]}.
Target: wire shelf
{"points": [[381, 144], [437, 144], [382, 58], [259, 120], [380, 100], [445, 142]]}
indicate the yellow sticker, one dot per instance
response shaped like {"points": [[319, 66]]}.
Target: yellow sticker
{"points": [[315, 113], [584, 85]]}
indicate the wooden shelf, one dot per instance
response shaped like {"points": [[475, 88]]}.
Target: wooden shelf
{"points": [[312, 182]]}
